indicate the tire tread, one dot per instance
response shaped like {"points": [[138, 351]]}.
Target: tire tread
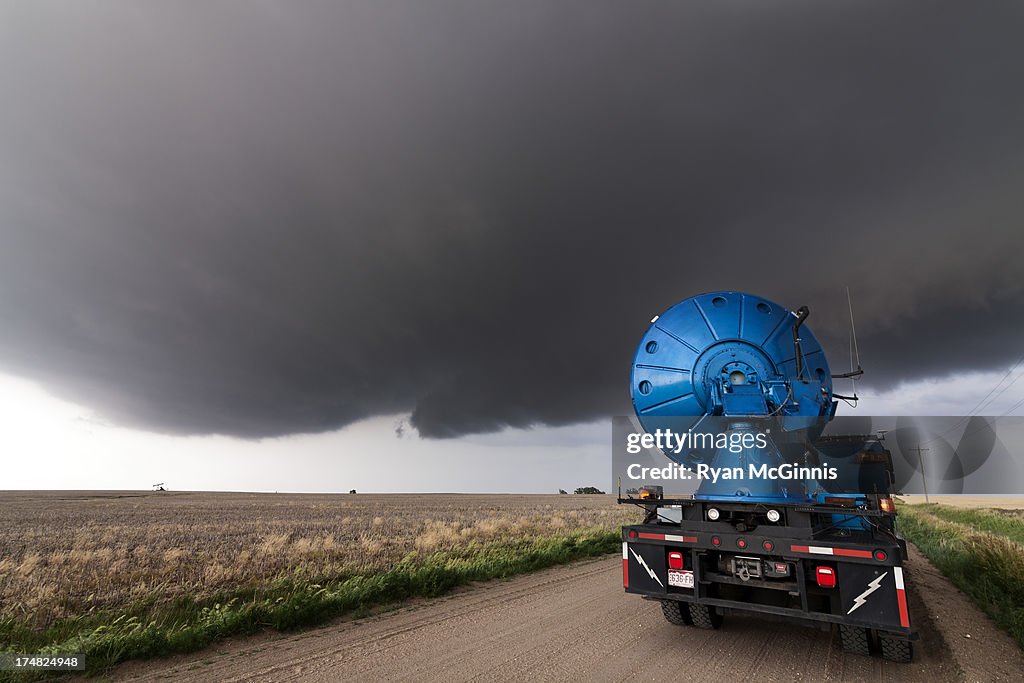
{"points": [[855, 639], [675, 613], [894, 650], [704, 616]]}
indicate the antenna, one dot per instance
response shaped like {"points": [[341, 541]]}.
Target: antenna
{"points": [[852, 379], [853, 374], [853, 329]]}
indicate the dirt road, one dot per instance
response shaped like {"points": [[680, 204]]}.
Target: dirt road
{"points": [[575, 623]]}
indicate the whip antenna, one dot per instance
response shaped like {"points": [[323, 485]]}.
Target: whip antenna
{"points": [[852, 379], [853, 374], [853, 329]]}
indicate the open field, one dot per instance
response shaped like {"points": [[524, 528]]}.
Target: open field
{"points": [[981, 550], [187, 568], [67, 553], [575, 623], [999, 502], [997, 521]]}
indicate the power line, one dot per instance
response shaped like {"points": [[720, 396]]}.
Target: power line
{"points": [[920, 461], [1013, 407], [989, 403], [967, 418], [1006, 413], [1008, 373]]}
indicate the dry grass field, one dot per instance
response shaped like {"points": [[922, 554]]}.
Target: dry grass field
{"points": [[65, 554], [959, 501], [978, 543]]}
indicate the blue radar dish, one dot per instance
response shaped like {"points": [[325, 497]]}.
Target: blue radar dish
{"points": [[729, 353]]}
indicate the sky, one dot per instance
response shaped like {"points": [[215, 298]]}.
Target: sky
{"points": [[241, 243], [59, 445]]}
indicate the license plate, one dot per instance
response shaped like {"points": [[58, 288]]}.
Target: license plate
{"points": [[681, 578]]}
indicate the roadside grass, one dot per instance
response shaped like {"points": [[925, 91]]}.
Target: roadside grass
{"points": [[152, 627], [979, 552], [1009, 523]]}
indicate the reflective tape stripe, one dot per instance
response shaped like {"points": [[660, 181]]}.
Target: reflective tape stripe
{"points": [[681, 539], [812, 549], [625, 565], [901, 598], [821, 550], [667, 537]]}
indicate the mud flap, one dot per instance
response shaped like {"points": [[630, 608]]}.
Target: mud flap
{"points": [[646, 567], [873, 596]]}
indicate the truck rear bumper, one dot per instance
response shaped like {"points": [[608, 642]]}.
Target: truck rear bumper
{"points": [[721, 570]]}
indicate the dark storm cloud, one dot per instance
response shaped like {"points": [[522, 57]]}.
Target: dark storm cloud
{"points": [[267, 218]]}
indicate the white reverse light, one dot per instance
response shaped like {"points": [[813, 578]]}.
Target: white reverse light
{"points": [[713, 514], [774, 516]]}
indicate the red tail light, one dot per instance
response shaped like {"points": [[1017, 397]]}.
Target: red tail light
{"points": [[826, 577], [675, 560]]}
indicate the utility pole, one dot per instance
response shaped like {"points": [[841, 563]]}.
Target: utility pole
{"points": [[920, 461]]}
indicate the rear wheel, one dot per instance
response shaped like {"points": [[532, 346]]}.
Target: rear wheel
{"points": [[676, 613], [704, 616], [900, 651], [855, 639]]}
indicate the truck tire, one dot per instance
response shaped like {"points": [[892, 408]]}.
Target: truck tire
{"points": [[704, 616], [676, 613], [899, 651], [855, 639]]}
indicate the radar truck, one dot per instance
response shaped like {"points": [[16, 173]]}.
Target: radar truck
{"points": [[821, 551]]}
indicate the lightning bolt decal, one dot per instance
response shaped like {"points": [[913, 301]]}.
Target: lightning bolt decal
{"points": [[644, 565], [863, 597]]}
